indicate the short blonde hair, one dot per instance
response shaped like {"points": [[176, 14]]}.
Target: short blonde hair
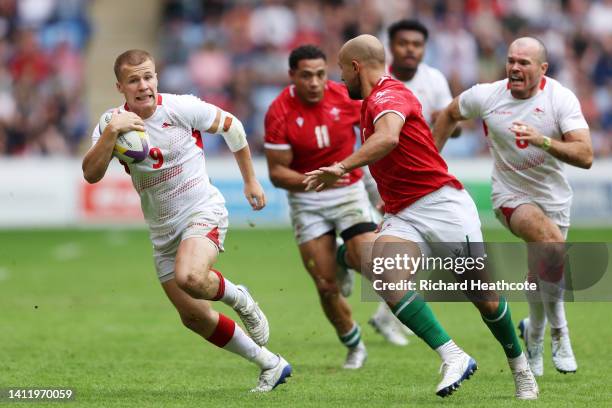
{"points": [[131, 57]]}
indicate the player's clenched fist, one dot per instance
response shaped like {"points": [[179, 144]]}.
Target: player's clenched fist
{"points": [[525, 132]]}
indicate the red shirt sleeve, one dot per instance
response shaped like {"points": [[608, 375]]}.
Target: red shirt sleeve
{"points": [[391, 99], [276, 127]]}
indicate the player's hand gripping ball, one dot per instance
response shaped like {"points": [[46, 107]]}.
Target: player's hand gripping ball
{"points": [[132, 146]]}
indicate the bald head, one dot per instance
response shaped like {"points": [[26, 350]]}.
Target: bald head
{"points": [[530, 46], [525, 67], [366, 49]]}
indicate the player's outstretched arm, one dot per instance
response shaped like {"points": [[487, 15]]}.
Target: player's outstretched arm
{"points": [[384, 139], [253, 191], [98, 157], [446, 122], [575, 148], [228, 126]]}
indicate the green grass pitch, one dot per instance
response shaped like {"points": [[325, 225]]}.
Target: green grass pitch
{"points": [[83, 309]]}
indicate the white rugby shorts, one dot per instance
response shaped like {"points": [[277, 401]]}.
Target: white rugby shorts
{"points": [[447, 215], [211, 223], [505, 202], [315, 214]]}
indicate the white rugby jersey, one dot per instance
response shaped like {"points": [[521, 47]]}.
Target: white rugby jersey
{"points": [[172, 181], [522, 169], [431, 89]]}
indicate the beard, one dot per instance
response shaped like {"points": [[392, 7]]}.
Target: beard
{"points": [[354, 91]]}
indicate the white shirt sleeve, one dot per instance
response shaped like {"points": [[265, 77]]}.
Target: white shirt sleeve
{"points": [[198, 114], [443, 96], [95, 135], [569, 114], [471, 102]]}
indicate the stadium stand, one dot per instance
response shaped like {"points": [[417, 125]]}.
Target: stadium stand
{"points": [[233, 53]]}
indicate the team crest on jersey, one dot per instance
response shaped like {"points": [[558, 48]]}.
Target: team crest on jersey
{"points": [[380, 94], [166, 125], [382, 97], [300, 121], [335, 112], [538, 111]]}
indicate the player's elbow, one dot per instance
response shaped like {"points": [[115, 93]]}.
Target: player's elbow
{"points": [[587, 162], [391, 140], [90, 178], [275, 177], [89, 175], [587, 158], [275, 181]]}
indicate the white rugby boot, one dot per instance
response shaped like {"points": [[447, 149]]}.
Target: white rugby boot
{"points": [[273, 377], [385, 323], [454, 372], [356, 357], [253, 318], [562, 354], [524, 380], [534, 349]]}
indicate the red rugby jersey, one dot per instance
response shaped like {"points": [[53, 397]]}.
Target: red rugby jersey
{"points": [[414, 168], [319, 134]]}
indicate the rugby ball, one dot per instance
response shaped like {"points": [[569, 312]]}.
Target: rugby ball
{"points": [[131, 147]]}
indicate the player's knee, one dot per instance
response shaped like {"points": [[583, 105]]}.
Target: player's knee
{"points": [[328, 289], [487, 308], [192, 283], [551, 261]]}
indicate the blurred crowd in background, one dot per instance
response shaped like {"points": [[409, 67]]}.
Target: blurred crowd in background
{"points": [[42, 46], [234, 54]]}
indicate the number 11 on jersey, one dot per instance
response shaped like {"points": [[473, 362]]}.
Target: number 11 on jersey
{"points": [[322, 136]]}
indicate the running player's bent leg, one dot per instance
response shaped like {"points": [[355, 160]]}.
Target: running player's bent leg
{"points": [[546, 261], [530, 223], [223, 332], [198, 316], [194, 259], [413, 311], [408, 306], [318, 256], [194, 274]]}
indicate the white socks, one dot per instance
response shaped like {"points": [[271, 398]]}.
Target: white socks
{"points": [[244, 346], [448, 351], [518, 363], [546, 304], [228, 293]]}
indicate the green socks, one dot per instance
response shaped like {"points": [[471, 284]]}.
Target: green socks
{"points": [[353, 337], [502, 328], [341, 257], [413, 312]]}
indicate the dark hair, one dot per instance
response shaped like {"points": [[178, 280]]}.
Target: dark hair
{"points": [[407, 25], [131, 57], [305, 52]]}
